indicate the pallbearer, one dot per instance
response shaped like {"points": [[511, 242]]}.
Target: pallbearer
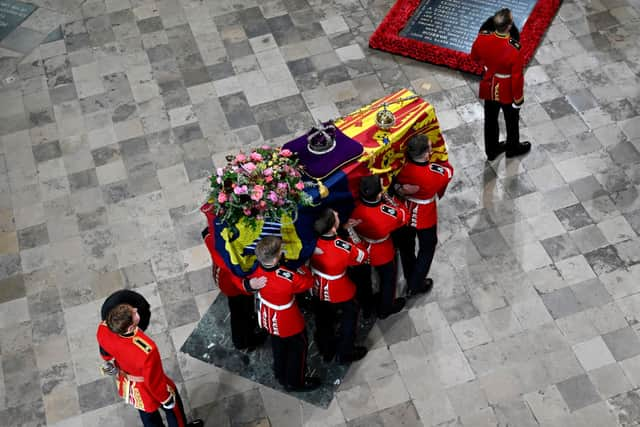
{"points": [[334, 291]]}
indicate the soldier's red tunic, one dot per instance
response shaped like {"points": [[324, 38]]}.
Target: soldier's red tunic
{"points": [[329, 266], [141, 380], [379, 219], [229, 284], [432, 178], [503, 79], [279, 313]]}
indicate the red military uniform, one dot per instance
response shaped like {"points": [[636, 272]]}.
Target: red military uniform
{"points": [[229, 284], [141, 379], [279, 313], [432, 178], [503, 79], [379, 219], [329, 265]]}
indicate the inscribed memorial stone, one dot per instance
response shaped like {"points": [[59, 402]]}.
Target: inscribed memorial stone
{"points": [[454, 24], [12, 14]]}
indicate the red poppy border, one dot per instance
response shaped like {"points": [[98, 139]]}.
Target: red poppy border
{"points": [[387, 36]]}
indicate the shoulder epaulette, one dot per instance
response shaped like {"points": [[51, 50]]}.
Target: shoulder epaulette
{"points": [[514, 43], [389, 210], [142, 344], [343, 245], [285, 274]]}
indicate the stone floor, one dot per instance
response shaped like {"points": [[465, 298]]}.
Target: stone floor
{"points": [[106, 139]]}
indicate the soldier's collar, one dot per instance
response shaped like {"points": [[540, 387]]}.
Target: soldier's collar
{"points": [[370, 203], [328, 236], [419, 163], [501, 35], [271, 268]]}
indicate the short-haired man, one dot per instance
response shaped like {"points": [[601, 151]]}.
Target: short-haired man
{"points": [[280, 316], [335, 291], [242, 313], [138, 369], [134, 299], [420, 183], [377, 216], [502, 85]]}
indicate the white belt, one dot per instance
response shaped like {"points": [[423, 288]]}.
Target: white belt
{"points": [[502, 76], [133, 378], [276, 307], [327, 276], [422, 201], [368, 240]]}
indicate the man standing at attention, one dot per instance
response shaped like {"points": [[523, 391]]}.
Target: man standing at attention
{"points": [[502, 85], [133, 358]]}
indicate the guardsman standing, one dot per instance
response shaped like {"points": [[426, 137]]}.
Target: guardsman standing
{"points": [[334, 291], [420, 183], [134, 359], [280, 316], [377, 216], [502, 85], [242, 313]]}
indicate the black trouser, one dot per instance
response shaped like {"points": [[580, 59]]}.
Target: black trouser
{"points": [[492, 129], [243, 320], [361, 276], [345, 314], [416, 269], [175, 416], [290, 358]]}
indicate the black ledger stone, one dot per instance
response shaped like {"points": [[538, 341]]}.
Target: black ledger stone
{"points": [[455, 24], [12, 14], [211, 343]]}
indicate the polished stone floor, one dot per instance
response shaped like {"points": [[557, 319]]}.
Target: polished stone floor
{"points": [[106, 140]]}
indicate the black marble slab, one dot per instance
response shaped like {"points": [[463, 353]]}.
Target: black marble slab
{"points": [[454, 24], [12, 14], [211, 342]]}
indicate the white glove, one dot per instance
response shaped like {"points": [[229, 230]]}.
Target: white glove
{"points": [[169, 404], [109, 368], [517, 107]]}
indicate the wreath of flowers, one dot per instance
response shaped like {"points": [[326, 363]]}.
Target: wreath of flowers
{"points": [[264, 184]]}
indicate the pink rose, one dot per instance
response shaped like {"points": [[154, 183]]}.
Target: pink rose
{"points": [[219, 172], [246, 211], [256, 157], [249, 167], [241, 189], [241, 157], [300, 185], [219, 180], [269, 179], [286, 152], [257, 193], [268, 172], [266, 147], [262, 204], [273, 196], [282, 186], [222, 197]]}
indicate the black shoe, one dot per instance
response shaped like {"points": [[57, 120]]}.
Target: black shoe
{"points": [[367, 311], [309, 383], [398, 305], [424, 289], [519, 149], [356, 354], [502, 147], [196, 423]]}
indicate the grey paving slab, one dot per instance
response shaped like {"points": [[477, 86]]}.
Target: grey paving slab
{"points": [[107, 137]]}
